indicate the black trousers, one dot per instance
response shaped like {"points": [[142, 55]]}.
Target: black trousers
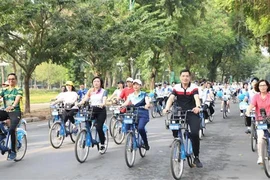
{"points": [[194, 122], [69, 115], [15, 118], [100, 115]]}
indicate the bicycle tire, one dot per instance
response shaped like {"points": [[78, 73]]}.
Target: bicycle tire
{"points": [[176, 159], [58, 136], [129, 149], [50, 122], [266, 159], [224, 110], [73, 135], [190, 157], [21, 151], [253, 138], [111, 125], [118, 134], [153, 112], [81, 143]]}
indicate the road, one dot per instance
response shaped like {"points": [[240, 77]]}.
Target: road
{"points": [[225, 154]]}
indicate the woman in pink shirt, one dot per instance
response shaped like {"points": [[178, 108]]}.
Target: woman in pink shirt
{"points": [[259, 101]]}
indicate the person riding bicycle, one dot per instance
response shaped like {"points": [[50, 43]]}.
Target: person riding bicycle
{"points": [[127, 90], [97, 97], [244, 91], [82, 91], [159, 94], [187, 97], [226, 96], [167, 90], [259, 101], [11, 98], [68, 98], [139, 98], [117, 92], [208, 101]]}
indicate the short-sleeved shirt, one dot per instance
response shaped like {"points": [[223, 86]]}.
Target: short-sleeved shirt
{"points": [[139, 100], [260, 103], [9, 96], [96, 98], [185, 97], [82, 93], [125, 92]]}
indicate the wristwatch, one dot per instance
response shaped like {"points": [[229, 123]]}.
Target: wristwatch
{"points": [[199, 106]]}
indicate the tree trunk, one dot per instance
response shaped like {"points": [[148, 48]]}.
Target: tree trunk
{"points": [[153, 77], [27, 92], [213, 64]]}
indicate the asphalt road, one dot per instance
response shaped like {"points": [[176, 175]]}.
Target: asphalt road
{"points": [[225, 154]]}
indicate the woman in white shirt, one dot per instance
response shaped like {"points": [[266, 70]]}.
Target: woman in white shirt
{"points": [[68, 98], [118, 91], [97, 97]]}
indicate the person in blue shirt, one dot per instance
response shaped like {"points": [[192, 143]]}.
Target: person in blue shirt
{"points": [[82, 92], [139, 98]]}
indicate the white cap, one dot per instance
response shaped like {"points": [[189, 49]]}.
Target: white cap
{"points": [[137, 81], [129, 79]]}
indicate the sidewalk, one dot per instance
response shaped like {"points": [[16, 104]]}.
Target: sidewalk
{"points": [[38, 107]]}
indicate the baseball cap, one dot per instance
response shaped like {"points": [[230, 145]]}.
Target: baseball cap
{"points": [[137, 81], [69, 83], [129, 79], [5, 83]]}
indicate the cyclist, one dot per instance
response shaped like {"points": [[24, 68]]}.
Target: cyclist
{"points": [[226, 95], [208, 100], [166, 91], [201, 90], [127, 90], [97, 97], [259, 101], [11, 97], [244, 91], [118, 91], [82, 92], [159, 94], [68, 98], [140, 98], [187, 97], [248, 97]]}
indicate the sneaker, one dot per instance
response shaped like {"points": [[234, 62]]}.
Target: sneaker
{"points": [[102, 148], [197, 162], [221, 110], [241, 114], [228, 110], [206, 121], [259, 161], [11, 156], [248, 131], [146, 147]]}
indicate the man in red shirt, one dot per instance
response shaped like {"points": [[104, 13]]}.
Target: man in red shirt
{"points": [[127, 90]]}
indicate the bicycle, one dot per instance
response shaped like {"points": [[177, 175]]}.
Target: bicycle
{"points": [[155, 109], [225, 107], [254, 136], [133, 138], [202, 125], [119, 130], [60, 130], [114, 118], [181, 147], [265, 125], [56, 112], [5, 142], [88, 136], [210, 116]]}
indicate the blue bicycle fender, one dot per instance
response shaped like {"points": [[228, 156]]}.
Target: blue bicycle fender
{"points": [[20, 133]]}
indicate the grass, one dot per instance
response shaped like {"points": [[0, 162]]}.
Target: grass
{"points": [[42, 96]]}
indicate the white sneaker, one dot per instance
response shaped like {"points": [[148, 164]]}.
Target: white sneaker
{"points": [[259, 160], [221, 110], [206, 121], [241, 114], [229, 111]]}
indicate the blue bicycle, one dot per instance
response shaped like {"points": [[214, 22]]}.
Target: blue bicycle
{"points": [[5, 141], [133, 139], [156, 108], [60, 130], [202, 125], [181, 147], [56, 112], [88, 136]]}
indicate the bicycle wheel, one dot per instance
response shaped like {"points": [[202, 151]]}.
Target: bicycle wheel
{"points": [[118, 134], [130, 152], [190, 157], [56, 137], [153, 111], [50, 122], [177, 163], [106, 142], [266, 160], [74, 132], [211, 117], [81, 149], [111, 125], [201, 133], [142, 151], [224, 110], [159, 110], [253, 138], [21, 148]]}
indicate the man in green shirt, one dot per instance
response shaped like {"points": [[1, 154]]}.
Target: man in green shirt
{"points": [[11, 99]]}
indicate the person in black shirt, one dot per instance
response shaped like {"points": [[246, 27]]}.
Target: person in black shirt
{"points": [[187, 97]]}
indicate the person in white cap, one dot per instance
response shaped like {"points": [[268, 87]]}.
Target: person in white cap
{"points": [[127, 90], [139, 98], [5, 84]]}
